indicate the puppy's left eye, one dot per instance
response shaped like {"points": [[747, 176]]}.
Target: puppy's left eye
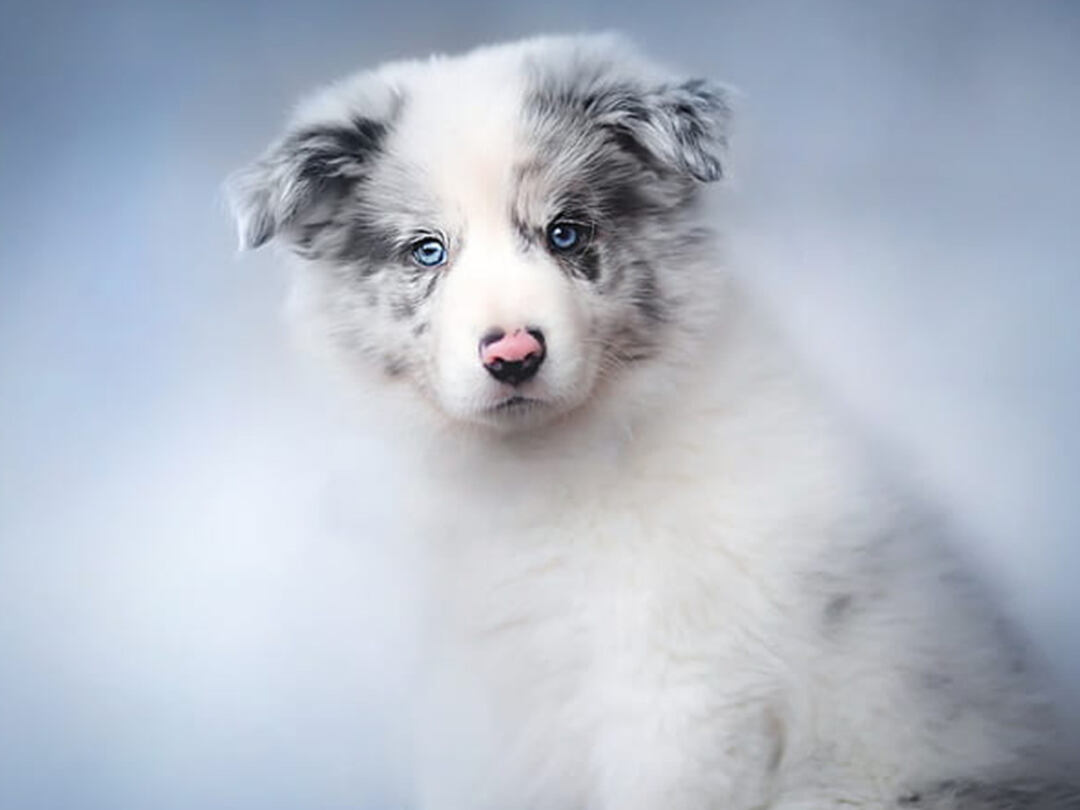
{"points": [[563, 236], [429, 252]]}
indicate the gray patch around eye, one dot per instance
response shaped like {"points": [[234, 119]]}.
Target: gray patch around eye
{"points": [[359, 239], [420, 329], [365, 250], [584, 264]]}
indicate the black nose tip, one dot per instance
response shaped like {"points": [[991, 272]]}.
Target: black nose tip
{"points": [[513, 358]]}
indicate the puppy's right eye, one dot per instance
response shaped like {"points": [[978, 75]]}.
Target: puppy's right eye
{"points": [[429, 252], [564, 236]]}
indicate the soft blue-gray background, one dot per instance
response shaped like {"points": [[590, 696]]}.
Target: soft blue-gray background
{"points": [[198, 605]]}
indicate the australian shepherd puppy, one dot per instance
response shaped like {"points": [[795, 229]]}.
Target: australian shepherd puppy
{"points": [[663, 575]]}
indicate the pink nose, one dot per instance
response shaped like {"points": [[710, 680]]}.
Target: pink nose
{"points": [[512, 358], [510, 348]]}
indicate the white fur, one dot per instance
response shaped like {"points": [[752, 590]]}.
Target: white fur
{"points": [[687, 586]]}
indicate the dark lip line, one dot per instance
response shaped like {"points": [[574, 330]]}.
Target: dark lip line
{"points": [[515, 401]]}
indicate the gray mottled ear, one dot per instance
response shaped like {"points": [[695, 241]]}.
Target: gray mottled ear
{"points": [[307, 174], [675, 126]]}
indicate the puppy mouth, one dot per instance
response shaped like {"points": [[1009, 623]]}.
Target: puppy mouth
{"points": [[515, 404], [517, 412]]}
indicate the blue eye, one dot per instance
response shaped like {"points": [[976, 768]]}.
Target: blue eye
{"points": [[429, 252], [564, 235]]}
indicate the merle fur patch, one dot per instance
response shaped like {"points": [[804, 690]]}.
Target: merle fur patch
{"points": [[625, 157], [300, 186], [673, 128]]}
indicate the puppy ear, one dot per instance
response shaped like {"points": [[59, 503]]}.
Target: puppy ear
{"points": [[307, 172], [675, 126]]}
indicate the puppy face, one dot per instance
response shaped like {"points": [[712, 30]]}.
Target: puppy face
{"points": [[504, 230]]}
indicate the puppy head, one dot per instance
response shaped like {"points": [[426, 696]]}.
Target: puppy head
{"points": [[509, 232]]}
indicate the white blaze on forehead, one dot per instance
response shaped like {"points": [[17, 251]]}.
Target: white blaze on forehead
{"points": [[460, 126]]}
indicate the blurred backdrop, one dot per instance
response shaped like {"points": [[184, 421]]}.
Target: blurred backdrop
{"points": [[201, 601]]}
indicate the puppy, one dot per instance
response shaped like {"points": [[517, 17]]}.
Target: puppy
{"points": [[663, 575]]}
